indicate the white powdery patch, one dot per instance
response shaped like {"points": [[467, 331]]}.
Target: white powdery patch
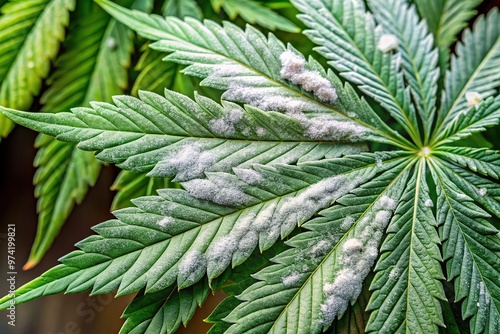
{"points": [[293, 69], [347, 223], [218, 190], [188, 163], [243, 238], [320, 248], [166, 222], [482, 191], [379, 162], [225, 125], [248, 176], [473, 99], [291, 279], [316, 197], [192, 265], [323, 127], [387, 42], [428, 203], [358, 256]]}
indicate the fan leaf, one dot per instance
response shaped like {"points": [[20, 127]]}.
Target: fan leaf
{"points": [[323, 273], [31, 32], [471, 248], [418, 56], [178, 137], [94, 67], [175, 238], [349, 38], [474, 68], [406, 285]]}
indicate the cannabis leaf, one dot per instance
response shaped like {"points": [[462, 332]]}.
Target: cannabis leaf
{"points": [[83, 74], [313, 208], [25, 55]]}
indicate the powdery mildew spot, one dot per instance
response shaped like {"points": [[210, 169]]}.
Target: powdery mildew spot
{"points": [[219, 190], [225, 125], [358, 256], [387, 42], [293, 69], [189, 162], [473, 99]]}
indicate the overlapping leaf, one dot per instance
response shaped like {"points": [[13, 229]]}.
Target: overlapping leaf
{"points": [[349, 37], [248, 67], [406, 285], [174, 136], [418, 56], [474, 68], [471, 248], [446, 19], [163, 311], [175, 238], [294, 294], [30, 33], [94, 67], [255, 13]]}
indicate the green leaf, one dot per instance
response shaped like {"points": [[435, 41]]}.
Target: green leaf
{"points": [[474, 68], [406, 287], [470, 121], [131, 185], [471, 248], [325, 269], [254, 12], [249, 68], [174, 136], [418, 56], [94, 67], [163, 311], [175, 238], [445, 20], [25, 55], [156, 75], [481, 161], [182, 8], [349, 38]]}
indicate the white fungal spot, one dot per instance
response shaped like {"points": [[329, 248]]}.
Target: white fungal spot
{"points": [[482, 191], [473, 99], [248, 176], [428, 203], [31, 64], [312, 199], [293, 69], [394, 274], [225, 125], [347, 223], [379, 162], [111, 43], [326, 128], [320, 248], [387, 42], [166, 222], [192, 265], [291, 279], [358, 256], [218, 190], [188, 163]]}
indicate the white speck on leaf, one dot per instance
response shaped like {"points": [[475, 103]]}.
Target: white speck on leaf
{"points": [[387, 42], [473, 99], [482, 191], [428, 203]]}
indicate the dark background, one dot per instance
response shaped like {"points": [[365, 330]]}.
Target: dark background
{"points": [[58, 314]]}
